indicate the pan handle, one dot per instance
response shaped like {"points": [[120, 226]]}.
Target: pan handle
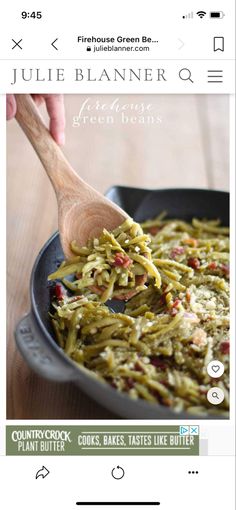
{"points": [[39, 354]]}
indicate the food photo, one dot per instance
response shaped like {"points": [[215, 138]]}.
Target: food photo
{"points": [[118, 257]]}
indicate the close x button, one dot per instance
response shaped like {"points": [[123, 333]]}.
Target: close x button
{"points": [[215, 76], [17, 44]]}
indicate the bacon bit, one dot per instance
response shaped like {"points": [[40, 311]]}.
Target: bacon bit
{"points": [[224, 347], [138, 367], [130, 383], [225, 269], [191, 242], [125, 296], [167, 402], [213, 265], [157, 362], [156, 395], [188, 296], [59, 291], [194, 262], [174, 308], [122, 260], [139, 280], [78, 276], [199, 337], [165, 383], [176, 303], [153, 230], [163, 298], [96, 289], [178, 250]]}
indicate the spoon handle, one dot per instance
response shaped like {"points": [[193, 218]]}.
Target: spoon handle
{"points": [[61, 174]]}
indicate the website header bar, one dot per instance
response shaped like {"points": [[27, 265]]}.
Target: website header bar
{"points": [[186, 77]]}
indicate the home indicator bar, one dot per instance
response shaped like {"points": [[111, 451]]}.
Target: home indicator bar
{"points": [[118, 503]]}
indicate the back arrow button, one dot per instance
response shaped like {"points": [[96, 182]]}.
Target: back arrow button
{"points": [[53, 44]]}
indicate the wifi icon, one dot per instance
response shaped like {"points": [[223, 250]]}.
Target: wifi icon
{"points": [[201, 14]]}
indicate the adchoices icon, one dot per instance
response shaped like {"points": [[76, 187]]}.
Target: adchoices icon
{"points": [[184, 430]]}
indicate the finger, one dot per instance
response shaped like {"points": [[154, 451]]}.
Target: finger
{"points": [[38, 99], [11, 106], [56, 112]]}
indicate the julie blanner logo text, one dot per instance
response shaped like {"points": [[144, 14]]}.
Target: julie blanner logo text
{"points": [[113, 74]]}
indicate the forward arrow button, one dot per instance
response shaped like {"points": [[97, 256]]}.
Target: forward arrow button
{"points": [[180, 44]]}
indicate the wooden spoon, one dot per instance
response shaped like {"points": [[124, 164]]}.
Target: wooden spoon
{"points": [[83, 212]]}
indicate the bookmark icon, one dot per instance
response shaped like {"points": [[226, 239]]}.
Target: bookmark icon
{"points": [[219, 43]]}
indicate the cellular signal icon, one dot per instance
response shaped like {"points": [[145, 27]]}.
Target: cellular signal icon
{"points": [[188, 16], [201, 14]]}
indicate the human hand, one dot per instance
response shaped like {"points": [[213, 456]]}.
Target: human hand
{"points": [[55, 108]]}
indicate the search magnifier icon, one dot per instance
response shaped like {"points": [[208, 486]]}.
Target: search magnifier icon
{"points": [[215, 395], [185, 74]]}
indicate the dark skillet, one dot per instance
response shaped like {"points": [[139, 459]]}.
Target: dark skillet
{"points": [[34, 333]]}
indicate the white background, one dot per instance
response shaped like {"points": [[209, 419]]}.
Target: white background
{"points": [[163, 479], [166, 477]]}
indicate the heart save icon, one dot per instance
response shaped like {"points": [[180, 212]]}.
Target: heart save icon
{"points": [[215, 368]]}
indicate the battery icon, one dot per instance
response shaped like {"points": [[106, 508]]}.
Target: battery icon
{"points": [[217, 14]]}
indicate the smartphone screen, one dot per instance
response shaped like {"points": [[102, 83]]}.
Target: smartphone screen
{"points": [[117, 231]]}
